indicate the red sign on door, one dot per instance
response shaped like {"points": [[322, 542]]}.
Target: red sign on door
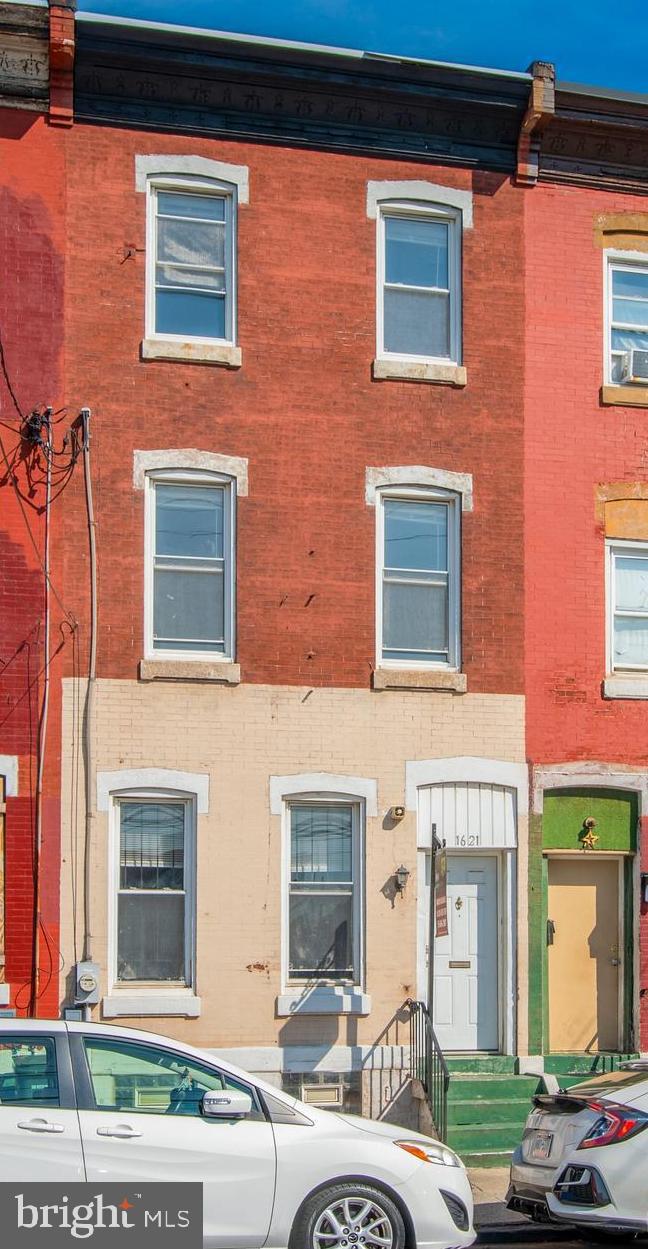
{"points": [[441, 894]]}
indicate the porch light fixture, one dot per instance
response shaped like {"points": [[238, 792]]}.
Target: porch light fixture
{"points": [[401, 875]]}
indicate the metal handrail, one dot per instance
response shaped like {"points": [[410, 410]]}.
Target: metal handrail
{"points": [[428, 1065]]}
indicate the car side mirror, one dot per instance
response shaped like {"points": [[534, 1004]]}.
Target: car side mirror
{"points": [[226, 1104]]}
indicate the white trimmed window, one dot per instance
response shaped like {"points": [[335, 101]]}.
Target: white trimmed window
{"points": [[627, 319], [419, 282], [628, 606], [153, 936], [324, 892], [191, 254], [418, 578], [189, 593]]}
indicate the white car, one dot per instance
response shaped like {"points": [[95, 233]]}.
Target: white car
{"points": [[90, 1102], [583, 1159]]}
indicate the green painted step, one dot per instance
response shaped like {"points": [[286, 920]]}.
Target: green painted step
{"points": [[584, 1064], [499, 1137], [488, 1158], [485, 1088], [504, 1110], [490, 1064]]}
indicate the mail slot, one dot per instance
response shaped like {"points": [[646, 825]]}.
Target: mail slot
{"points": [[459, 962]]}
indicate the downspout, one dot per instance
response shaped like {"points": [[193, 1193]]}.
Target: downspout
{"points": [[541, 109], [42, 724], [90, 689]]}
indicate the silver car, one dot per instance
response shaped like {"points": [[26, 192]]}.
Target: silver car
{"points": [[583, 1158]]}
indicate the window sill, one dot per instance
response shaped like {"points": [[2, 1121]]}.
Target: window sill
{"points": [[626, 686], [414, 371], [419, 679], [625, 396], [323, 1000], [192, 353], [146, 1003], [189, 670]]}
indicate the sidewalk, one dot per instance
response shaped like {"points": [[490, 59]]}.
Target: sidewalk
{"points": [[489, 1185]]}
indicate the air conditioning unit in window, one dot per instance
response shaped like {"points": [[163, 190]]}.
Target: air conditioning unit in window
{"points": [[635, 366]]}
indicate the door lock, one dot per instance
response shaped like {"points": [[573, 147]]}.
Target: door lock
{"points": [[551, 931]]}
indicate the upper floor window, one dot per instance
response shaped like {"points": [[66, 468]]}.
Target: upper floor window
{"points": [[191, 261], [419, 282], [627, 317], [628, 606], [418, 578], [190, 566]]}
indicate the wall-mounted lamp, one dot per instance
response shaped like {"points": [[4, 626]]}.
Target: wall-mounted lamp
{"points": [[396, 814], [401, 876], [644, 886]]}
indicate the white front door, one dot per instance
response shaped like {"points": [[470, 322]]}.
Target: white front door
{"points": [[466, 991]]}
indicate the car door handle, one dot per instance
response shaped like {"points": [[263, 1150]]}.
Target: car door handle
{"points": [[41, 1125], [122, 1130]]}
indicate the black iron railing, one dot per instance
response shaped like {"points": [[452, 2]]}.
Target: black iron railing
{"points": [[428, 1065]]}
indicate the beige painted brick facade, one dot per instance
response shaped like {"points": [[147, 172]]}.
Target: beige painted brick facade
{"points": [[241, 737]]}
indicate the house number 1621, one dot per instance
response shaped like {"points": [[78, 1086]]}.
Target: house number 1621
{"points": [[469, 839]]}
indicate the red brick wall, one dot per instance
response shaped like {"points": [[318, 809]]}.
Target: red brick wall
{"points": [[303, 407], [31, 293]]}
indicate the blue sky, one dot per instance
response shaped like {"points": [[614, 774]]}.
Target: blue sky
{"points": [[590, 41]]}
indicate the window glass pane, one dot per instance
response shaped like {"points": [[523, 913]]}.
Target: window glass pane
{"points": [[634, 311], [150, 936], [625, 282], [631, 583], [321, 935], [624, 340], [321, 843], [416, 252], [417, 323], [416, 535], [191, 242], [180, 204], [189, 313], [189, 607], [189, 521], [151, 845], [415, 619], [28, 1074], [197, 279], [631, 641], [152, 1080]]}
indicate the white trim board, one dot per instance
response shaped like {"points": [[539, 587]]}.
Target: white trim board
{"points": [[379, 193], [354, 787], [233, 466], [189, 784], [589, 775], [420, 475], [466, 768], [192, 166]]}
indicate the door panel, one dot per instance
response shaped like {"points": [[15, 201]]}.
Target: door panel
{"points": [[584, 958], [40, 1138], [146, 1125], [466, 1006]]}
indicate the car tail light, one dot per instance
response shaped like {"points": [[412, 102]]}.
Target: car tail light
{"points": [[615, 1123]]}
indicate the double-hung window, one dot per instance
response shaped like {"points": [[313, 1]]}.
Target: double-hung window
{"points": [[419, 279], [190, 566], [628, 606], [418, 579], [154, 921], [324, 892], [191, 262], [627, 329]]}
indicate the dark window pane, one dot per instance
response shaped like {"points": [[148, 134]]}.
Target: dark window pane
{"points": [[321, 936], [189, 521], [191, 243], [179, 204], [321, 843], [189, 605], [150, 940], [626, 283], [416, 252], [416, 535], [187, 313], [417, 323], [28, 1073], [415, 618], [151, 845]]}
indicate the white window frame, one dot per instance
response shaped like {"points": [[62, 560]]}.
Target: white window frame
{"points": [[614, 547], [152, 987], [453, 502], [191, 477], [452, 217], [358, 826], [192, 185], [613, 260]]}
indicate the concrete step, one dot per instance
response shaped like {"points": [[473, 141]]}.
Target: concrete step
{"points": [[502, 1110], [489, 1064], [584, 1065], [488, 1158], [480, 1137], [485, 1088]]}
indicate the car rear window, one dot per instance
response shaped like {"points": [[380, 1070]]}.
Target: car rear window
{"points": [[28, 1074], [613, 1082]]}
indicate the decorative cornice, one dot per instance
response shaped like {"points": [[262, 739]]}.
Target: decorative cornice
{"points": [[24, 60]]}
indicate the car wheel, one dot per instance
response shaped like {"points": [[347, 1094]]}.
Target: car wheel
{"points": [[349, 1216]]}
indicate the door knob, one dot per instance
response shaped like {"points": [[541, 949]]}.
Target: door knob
{"points": [[616, 962], [41, 1125]]}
